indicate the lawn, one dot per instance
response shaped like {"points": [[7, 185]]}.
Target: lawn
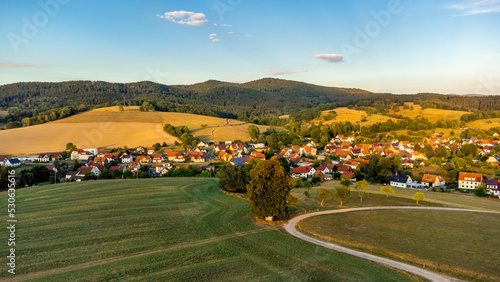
{"points": [[163, 229], [459, 244]]}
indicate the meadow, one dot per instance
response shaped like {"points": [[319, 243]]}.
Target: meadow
{"points": [[109, 127], [431, 114], [459, 244], [163, 229], [354, 116]]}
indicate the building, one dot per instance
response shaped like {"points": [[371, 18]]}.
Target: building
{"points": [[468, 180], [493, 187], [430, 180], [401, 181]]}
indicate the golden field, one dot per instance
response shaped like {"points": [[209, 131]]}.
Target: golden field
{"points": [[354, 116], [431, 114], [108, 127], [485, 123]]}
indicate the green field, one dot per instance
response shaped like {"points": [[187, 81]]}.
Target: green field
{"points": [[460, 244], [162, 229]]}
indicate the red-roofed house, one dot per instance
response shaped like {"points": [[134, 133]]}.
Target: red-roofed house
{"points": [[467, 180]]}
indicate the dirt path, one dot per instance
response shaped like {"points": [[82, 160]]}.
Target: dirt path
{"points": [[44, 273], [290, 228]]}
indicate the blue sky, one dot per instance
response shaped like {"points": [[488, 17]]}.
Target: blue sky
{"points": [[384, 46]]}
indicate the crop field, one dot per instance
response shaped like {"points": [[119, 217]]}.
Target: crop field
{"points": [[431, 114], [163, 229], [108, 127], [434, 198], [485, 123], [459, 244], [345, 114]]}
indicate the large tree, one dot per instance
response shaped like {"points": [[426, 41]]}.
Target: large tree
{"points": [[269, 190], [234, 178], [342, 193]]}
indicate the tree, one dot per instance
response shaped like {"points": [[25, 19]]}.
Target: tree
{"points": [[342, 193], [387, 190], [323, 194], [345, 181], [117, 174], [253, 131], [361, 188], [480, 190], [419, 197], [205, 173], [70, 147], [128, 173], [234, 178], [269, 190]]}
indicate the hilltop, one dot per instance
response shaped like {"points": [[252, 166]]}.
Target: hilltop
{"points": [[109, 127]]}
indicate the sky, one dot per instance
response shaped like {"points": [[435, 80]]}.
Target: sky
{"points": [[396, 46]]}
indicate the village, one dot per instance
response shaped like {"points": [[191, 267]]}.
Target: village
{"points": [[340, 158]]}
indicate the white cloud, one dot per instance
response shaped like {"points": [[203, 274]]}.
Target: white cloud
{"points": [[215, 40], [231, 32], [185, 17], [282, 72], [474, 7], [331, 58], [3, 65], [213, 35]]}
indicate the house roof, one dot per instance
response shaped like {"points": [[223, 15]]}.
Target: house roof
{"points": [[467, 176], [432, 178], [399, 178], [300, 170]]}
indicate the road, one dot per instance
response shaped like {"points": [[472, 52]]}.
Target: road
{"points": [[290, 228]]}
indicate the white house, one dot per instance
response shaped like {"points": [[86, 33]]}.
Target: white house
{"points": [[401, 181], [467, 180]]}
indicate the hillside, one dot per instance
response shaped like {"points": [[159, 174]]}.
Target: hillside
{"points": [[109, 127], [353, 116], [182, 229], [213, 98], [430, 114]]}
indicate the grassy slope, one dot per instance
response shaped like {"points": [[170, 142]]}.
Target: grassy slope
{"points": [[163, 229], [108, 127], [430, 114], [353, 116], [485, 123], [457, 243]]}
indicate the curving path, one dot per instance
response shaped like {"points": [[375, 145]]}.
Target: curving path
{"points": [[290, 228]]}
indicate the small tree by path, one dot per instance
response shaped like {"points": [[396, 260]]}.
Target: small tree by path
{"points": [[361, 188], [323, 194], [342, 193], [419, 197], [387, 190]]}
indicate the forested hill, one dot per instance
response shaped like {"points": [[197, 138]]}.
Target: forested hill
{"points": [[261, 101], [215, 98]]}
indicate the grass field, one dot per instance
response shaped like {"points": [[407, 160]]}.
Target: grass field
{"points": [[163, 229], [485, 123], [431, 114], [108, 127], [459, 244], [345, 114]]}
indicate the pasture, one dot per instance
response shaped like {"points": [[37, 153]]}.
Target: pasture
{"points": [[163, 229], [109, 127], [459, 244], [354, 116], [432, 115]]}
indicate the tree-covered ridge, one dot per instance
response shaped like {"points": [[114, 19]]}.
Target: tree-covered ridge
{"points": [[252, 101]]}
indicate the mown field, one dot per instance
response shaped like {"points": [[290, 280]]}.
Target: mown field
{"points": [[353, 116], [431, 114], [162, 229], [108, 127], [485, 123], [459, 244]]}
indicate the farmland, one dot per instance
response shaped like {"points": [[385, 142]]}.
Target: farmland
{"points": [[354, 116], [436, 240], [485, 123], [158, 229], [430, 114], [108, 127]]}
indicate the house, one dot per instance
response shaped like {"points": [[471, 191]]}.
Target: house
{"points": [[237, 161], [11, 162], [258, 155], [162, 168], [125, 158], [87, 169], [349, 175], [493, 160], [468, 180], [220, 148], [157, 159], [201, 144], [493, 187], [56, 156], [402, 181], [134, 166], [198, 159], [144, 160], [43, 158], [343, 168], [151, 150], [323, 169], [117, 167], [430, 180], [301, 172]]}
